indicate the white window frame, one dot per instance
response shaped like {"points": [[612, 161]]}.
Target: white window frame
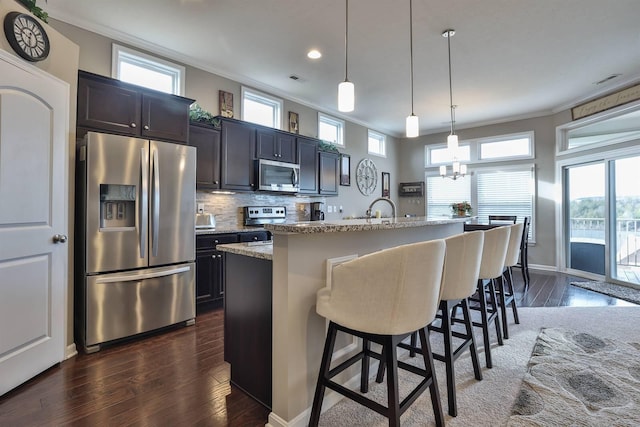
{"points": [[381, 140], [562, 131], [332, 121], [276, 104], [121, 54], [474, 149], [429, 148], [521, 135]]}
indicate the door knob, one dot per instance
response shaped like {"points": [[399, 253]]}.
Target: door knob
{"points": [[59, 238]]}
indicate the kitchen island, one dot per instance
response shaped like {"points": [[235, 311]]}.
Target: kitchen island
{"points": [[302, 258]]}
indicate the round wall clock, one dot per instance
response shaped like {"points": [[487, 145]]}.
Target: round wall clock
{"points": [[26, 36], [367, 176]]}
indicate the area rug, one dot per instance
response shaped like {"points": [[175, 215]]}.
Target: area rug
{"points": [[617, 291], [489, 402], [593, 378]]}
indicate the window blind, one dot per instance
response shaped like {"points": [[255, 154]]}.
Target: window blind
{"points": [[442, 192], [507, 192]]}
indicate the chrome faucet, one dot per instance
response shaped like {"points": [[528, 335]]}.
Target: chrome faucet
{"points": [[383, 199]]}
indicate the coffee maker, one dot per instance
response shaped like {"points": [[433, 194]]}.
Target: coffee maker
{"points": [[316, 211]]}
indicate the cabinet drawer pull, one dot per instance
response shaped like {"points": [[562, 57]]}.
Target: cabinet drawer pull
{"points": [[146, 127], [132, 125]]}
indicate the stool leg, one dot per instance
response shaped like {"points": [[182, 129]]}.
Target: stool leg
{"points": [[472, 347], [364, 371], [393, 396], [380, 375], [413, 342], [429, 367], [329, 343], [448, 357], [510, 290], [503, 306], [485, 323], [494, 304]]}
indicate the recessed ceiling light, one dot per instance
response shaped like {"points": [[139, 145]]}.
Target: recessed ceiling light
{"points": [[314, 54]]}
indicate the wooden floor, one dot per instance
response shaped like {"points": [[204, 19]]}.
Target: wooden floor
{"points": [[179, 378]]}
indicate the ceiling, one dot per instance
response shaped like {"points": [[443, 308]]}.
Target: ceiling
{"points": [[510, 58]]}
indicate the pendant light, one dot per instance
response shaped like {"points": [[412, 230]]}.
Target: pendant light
{"points": [[346, 89], [412, 123], [452, 139]]}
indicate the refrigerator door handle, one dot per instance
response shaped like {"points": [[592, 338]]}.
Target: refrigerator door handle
{"points": [[141, 276], [144, 197], [156, 202]]}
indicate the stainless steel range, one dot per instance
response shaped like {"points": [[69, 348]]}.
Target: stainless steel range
{"points": [[260, 215]]}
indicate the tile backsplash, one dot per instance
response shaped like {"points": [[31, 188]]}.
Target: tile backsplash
{"points": [[228, 208]]}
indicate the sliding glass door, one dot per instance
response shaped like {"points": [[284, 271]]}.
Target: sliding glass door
{"points": [[626, 220], [585, 222], [602, 218]]}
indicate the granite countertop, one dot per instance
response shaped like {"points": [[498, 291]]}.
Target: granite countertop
{"points": [[308, 227], [223, 230], [262, 250]]}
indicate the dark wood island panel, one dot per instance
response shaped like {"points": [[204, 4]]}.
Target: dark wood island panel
{"points": [[247, 324]]}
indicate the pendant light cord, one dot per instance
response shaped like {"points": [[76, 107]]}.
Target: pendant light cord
{"points": [[450, 34], [346, 39], [411, 48]]}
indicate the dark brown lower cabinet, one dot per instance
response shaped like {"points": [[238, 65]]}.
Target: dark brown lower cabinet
{"points": [[210, 269], [247, 324]]}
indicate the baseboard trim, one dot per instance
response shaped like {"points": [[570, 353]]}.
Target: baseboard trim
{"points": [[70, 351], [331, 398]]}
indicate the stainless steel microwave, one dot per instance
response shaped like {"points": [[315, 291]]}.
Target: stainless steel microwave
{"points": [[278, 176]]}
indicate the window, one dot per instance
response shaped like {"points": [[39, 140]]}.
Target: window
{"points": [[331, 129], [495, 148], [441, 155], [505, 192], [507, 187], [145, 70], [262, 109], [507, 147], [377, 143], [442, 192]]}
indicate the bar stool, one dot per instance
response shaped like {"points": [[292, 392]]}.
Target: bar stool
{"points": [[383, 297], [506, 295], [523, 262], [494, 252], [459, 280]]}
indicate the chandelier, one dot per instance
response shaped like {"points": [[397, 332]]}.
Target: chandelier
{"points": [[458, 170]]}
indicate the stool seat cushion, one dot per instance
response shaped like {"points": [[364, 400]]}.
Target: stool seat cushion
{"points": [[390, 292], [494, 252], [461, 265], [513, 251]]}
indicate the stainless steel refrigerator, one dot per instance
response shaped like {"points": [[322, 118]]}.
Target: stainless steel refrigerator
{"points": [[135, 239]]}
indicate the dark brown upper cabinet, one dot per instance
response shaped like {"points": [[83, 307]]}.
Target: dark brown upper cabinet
{"points": [[276, 145], [109, 105], [206, 139]]}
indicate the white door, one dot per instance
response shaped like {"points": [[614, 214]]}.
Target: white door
{"points": [[34, 108]]}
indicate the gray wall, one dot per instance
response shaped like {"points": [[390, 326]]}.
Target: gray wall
{"points": [[203, 86]]}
